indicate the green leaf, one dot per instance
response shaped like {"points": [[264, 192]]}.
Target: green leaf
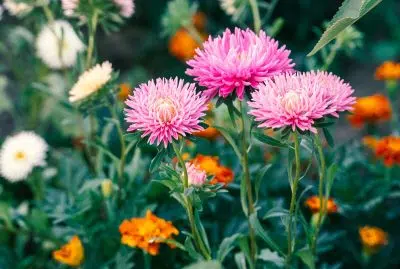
{"points": [[306, 257], [269, 140], [123, 259], [243, 197], [263, 234], [240, 260], [202, 231], [274, 213], [329, 137], [228, 137], [330, 176], [205, 265], [226, 246], [350, 12], [155, 163], [191, 250], [259, 178], [270, 256]]}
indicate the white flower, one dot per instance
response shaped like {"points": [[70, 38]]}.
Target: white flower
{"points": [[91, 81], [17, 8], [58, 45], [20, 154], [229, 6]]}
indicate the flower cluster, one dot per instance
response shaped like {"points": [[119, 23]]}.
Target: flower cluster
{"points": [[314, 204], [165, 109], [126, 7], [71, 254], [147, 233], [196, 176], [297, 100], [16, 8], [370, 109], [372, 238], [388, 71], [58, 45], [388, 148], [21, 153], [182, 45], [237, 60], [91, 82], [211, 165]]}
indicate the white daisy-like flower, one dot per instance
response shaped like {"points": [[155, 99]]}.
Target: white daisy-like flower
{"points": [[229, 6], [91, 81], [17, 9], [20, 153], [58, 45]]}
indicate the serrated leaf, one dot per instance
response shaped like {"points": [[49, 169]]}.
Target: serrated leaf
{"points": [[226, 246], [350, 12], [306, 257]]}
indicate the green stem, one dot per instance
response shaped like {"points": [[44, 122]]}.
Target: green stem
{"points": [[121, 166], [92, 34], [194, 33], [246, 178], [48, 14], [331, 56], [189, 207], [323, 200], [256, 15], [293, 199]]}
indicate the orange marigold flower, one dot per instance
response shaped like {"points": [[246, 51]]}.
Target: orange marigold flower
{"points": [[212, 167], [370, 141], [210, 132], [314, 204], [124, 91], [372, 238], [388, 71], [371, 109], [182, 45], [199, 20], [388, 148], [71, 253], [147, 233]]}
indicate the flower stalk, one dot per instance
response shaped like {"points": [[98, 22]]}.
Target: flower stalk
{"points": [[293, 199], [323, 200], [246, 178], [199, 241], [256, 15]]}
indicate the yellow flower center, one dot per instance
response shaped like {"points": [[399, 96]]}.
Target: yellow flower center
{"points": [[290, 101], [165, 109], [19, 156]]}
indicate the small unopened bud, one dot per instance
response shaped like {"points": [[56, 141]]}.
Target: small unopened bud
{"points": [[106, 188]]}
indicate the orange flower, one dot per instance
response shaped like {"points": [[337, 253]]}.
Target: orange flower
{"points": [[388, 148], [388, 71], [199, 20], [314, 204], [372, 238], [212, 167], [370, 141], [182, 45], [371, 109], [147, 233], [71, 253], [210, 132], [124, 90]]}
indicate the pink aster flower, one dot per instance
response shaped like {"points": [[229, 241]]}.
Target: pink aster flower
{"points": [[196, 176], [297, 100], [165, 109], [235, 60], [69, 6], [127, 7]]}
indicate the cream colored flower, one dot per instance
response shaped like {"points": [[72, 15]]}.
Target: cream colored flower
{"points": [[91, 81], [20, 153], [229, 6], [58, 45], [17, 9]]}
